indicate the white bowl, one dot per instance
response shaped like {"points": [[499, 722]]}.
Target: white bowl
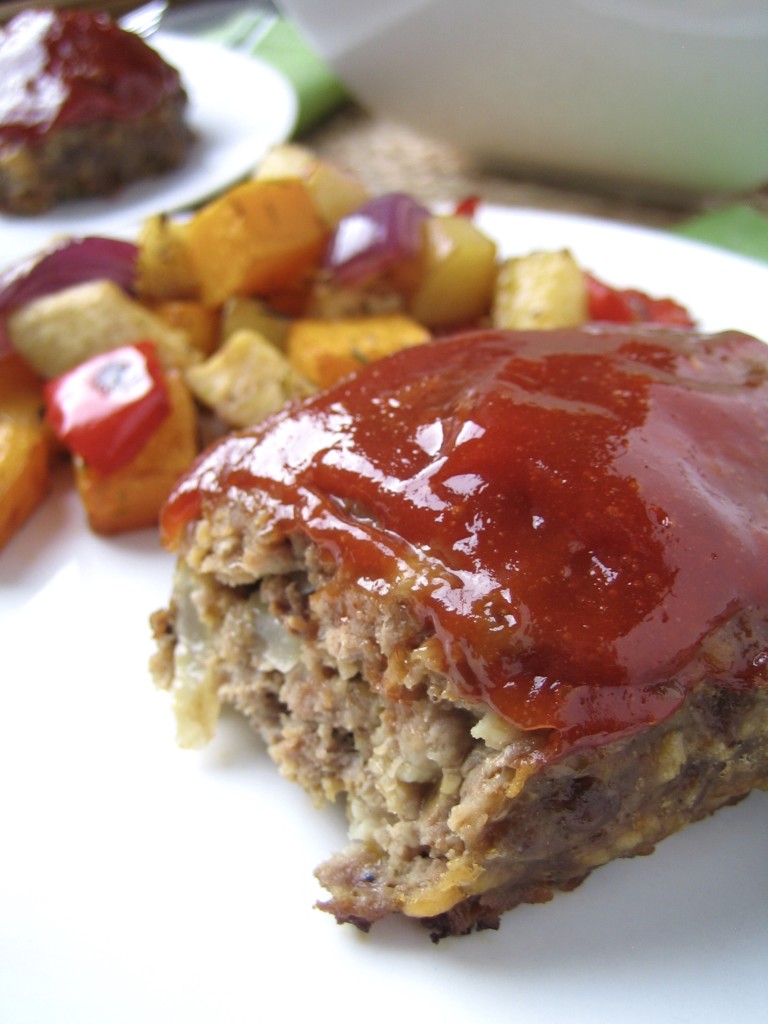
{"points": [[669, 96]]}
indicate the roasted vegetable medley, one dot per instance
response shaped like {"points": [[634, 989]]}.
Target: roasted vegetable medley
{"points": [[127, 357]]}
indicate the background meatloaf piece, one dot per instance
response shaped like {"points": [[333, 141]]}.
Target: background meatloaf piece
{"points": [[86, 107], [96, 159]]}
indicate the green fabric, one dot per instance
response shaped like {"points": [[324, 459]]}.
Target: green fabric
{"points": [[278, 43], [738, 228]]}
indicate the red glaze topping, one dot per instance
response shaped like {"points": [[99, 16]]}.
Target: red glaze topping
{"points": [[573, 511], [61, 68]]}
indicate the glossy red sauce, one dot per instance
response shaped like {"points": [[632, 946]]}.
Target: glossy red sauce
{"points": [[573, 512], [72, 67]]}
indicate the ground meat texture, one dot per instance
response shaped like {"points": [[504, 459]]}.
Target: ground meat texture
{"points": [[453, 817], [457, 813], [98, 159]]}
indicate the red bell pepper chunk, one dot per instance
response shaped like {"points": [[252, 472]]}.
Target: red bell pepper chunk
{"points": [[107, 408], [467, 207], [630, 306]]}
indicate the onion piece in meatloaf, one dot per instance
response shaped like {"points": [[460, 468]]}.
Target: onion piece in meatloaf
{"points": [[503, 592]]}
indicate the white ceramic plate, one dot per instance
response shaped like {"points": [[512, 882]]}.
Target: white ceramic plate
{"points": [[239, 107], [142, 883]]}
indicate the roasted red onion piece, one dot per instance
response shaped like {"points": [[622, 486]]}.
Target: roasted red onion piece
{"points": [[69, 262], [377, 238]]}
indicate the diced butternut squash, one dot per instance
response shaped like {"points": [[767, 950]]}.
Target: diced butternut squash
{"points": [[539, 291], [260, 238], [199, 323], [335, 193], [458, 274], [324, 351], [25, 446], [246, 380], [131, 497]]}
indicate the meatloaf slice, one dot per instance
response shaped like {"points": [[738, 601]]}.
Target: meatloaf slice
{"points": [[93, 160], [85, 109], [504, 594]]}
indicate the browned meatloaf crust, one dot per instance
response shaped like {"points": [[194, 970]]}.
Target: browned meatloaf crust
{"points": [[85, 109], [98, 159], [456, 813]]}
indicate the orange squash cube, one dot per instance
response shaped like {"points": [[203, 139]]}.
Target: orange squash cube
{"points": [[260, 238], [324, 351], [199, 322], [25, 446]]}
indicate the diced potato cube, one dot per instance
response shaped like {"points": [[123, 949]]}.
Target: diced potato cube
{"points": [[253, 315], [260, 238], [334, 192], [458, 275], [246, 380], [330, 301], [324, 351], [164, 267], [538, 291], [58, 331], [25, 446], [131, 497]]}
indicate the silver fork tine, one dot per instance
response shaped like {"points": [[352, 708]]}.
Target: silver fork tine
{"points": [[145, 20]]}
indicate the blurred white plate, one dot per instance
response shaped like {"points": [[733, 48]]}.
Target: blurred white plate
{"points": [[142, 883], [239, 107]]}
